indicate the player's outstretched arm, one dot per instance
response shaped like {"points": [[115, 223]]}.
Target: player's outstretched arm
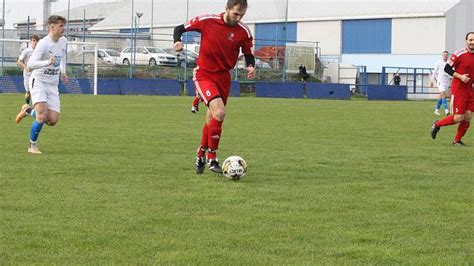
{"points": [[178, 32]]}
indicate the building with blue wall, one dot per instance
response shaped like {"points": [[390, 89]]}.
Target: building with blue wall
{"points": [[373, 33]]}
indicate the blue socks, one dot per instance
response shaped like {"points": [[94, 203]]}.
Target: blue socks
{"points": [[445, 103], [438, 103], [442, 101], [35, 130]]}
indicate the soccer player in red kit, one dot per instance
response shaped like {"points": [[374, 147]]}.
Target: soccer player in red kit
{"points": [[461, 67], [222, 37]]}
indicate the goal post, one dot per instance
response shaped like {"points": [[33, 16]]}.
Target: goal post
{"points": [[84, 54], [81, 66]]}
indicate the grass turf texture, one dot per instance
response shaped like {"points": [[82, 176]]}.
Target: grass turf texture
{"points": [[329, 182]]}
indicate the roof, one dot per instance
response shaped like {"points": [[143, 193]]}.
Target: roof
{"points": [[92, 11], [173, 12]]}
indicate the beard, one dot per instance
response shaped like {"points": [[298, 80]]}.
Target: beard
{"points": [[229, 20]]}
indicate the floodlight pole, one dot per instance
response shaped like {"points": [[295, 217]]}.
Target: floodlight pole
{"points": [[286, 39], [3, 33], [137, 29], [186, 50], [68, 13], [151, 24], [130, 69]]}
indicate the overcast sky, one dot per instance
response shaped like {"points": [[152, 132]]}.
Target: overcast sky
{"points": [[19, 10]]}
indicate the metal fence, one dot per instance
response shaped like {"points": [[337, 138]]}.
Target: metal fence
{"points": [[141, 63], [417, 79]]}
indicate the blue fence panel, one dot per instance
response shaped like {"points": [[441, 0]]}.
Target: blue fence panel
{"points": [[235, 89], [279, 89], [12, 84], [386, 92], [108, 86], [190, 88], [169, 87], [328, 91]]}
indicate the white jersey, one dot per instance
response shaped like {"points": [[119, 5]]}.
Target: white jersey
{"points": [[24, 57], [39, 60], [439, 76]]}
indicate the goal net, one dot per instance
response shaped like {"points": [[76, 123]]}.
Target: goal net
{"points": [[81, 67]]}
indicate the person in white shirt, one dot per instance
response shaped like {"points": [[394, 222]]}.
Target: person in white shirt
{"points": [[22, 61], [48, 62], [442, 80]]}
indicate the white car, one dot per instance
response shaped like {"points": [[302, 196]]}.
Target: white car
{"points": [[109, 56], [151, 56], [105, 56], [259, 64]]}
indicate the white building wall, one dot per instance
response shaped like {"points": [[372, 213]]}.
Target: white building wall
{"points": [[327, 33], [459, 21], [422, 36], [163, 37]]}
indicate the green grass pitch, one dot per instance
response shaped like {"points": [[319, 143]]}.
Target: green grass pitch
{"points": [[329, 182]]}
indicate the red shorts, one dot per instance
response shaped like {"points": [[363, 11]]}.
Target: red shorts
{"points": [[212, 85], [462, 102]]}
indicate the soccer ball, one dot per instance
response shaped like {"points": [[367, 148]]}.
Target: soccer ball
{"points": [[234, 167]]}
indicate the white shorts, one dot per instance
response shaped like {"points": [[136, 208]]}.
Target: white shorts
{"points": [[26, 83], [443, 86], [42, 92]]}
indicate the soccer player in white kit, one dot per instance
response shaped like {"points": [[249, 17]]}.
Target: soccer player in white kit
{"points": [[48, 62], [22, 61], [442, 80]]}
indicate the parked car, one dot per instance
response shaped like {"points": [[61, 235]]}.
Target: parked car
{"points": [[148, 56], [191, 57], [273, 55], [259, 64], [109, 56]]}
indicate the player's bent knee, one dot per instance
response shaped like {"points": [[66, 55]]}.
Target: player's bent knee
{"points": [[219, 114], [458, 118], [41, 118], [52, 121]]}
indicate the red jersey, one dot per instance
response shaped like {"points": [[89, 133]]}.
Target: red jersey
{"points": [[220, 43], [463, 63]]}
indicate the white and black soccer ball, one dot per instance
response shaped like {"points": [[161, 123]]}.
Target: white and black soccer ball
{"points": [[234, 167]]}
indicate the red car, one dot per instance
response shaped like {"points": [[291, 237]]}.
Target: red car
{"points": [[269, 53]]}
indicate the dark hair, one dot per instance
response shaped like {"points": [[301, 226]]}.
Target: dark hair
{"points": [[54, 19], [445, 52], [469, 33], [232, 3], [34, 37]]}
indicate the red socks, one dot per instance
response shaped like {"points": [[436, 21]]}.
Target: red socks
{"points": [[448, 120], [462, 129], [196, 101], [214, 136], [204, 141]]}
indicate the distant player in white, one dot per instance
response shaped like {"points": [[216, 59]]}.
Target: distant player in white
{"points": [[442, 80], [48, 62], [22, 61]]}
